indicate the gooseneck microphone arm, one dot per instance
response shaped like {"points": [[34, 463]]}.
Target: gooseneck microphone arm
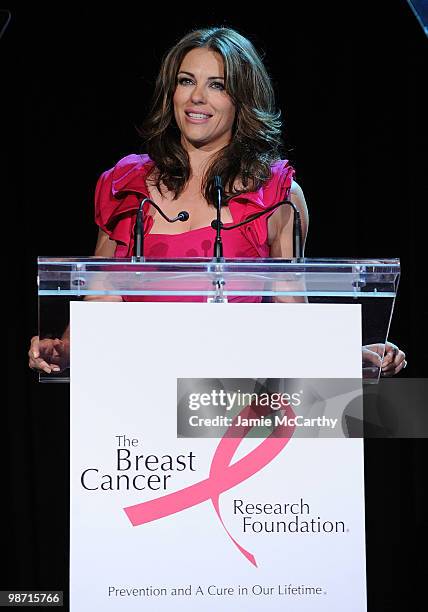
{"points": [[139, 226], [297, 225], [218, 243]]}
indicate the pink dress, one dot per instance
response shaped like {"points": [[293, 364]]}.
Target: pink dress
{"points": [[120, 190]]}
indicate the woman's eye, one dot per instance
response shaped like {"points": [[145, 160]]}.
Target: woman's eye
{"points": [[217, 85], [214, 84]]}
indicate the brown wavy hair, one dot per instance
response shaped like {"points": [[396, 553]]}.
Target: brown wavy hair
{"points": [[256, 141]]}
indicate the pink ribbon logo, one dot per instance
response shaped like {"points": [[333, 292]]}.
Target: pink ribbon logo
{"points": [[223, 476]]}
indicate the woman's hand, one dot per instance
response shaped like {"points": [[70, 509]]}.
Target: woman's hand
{"points": [[394, 360], [49, 355]]}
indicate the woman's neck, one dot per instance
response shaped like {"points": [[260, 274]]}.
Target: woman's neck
{"points": [[199, 160]]}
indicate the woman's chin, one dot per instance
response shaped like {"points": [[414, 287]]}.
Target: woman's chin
{"points": [[208, 144]]}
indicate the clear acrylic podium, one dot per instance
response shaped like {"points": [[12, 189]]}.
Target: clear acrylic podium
{"points": [[372, 283]]}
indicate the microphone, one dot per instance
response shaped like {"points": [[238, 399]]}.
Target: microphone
{"points": [[139, 226], [297, 225], [182, 216], [218, 244]]}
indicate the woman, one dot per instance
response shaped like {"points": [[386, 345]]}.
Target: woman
{"points": [[213, 113]]}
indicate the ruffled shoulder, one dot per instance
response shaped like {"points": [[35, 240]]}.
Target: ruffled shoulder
{"points": [[118, 193], [277, 188], [129, 175]]}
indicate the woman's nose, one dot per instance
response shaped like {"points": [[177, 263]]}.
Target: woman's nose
{"points": [[198, 94]]}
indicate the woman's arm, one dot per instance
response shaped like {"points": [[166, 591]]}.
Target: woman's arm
{"points": [[280, 229], [280, 233], [105, 247], [53, 354], [280, 225]]}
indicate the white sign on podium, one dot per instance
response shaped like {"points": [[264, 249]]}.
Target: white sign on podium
{"points": [[165, 523]]}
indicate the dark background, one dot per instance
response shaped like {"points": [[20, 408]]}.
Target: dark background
{"points": [[349, 79]]}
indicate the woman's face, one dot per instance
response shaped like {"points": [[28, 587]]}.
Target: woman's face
{"points": [[204, 112]]}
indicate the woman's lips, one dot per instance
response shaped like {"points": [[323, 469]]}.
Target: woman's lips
{"points": [[196, 119]]}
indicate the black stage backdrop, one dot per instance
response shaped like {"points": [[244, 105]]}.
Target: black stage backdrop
{"points": [[349, 80]]}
